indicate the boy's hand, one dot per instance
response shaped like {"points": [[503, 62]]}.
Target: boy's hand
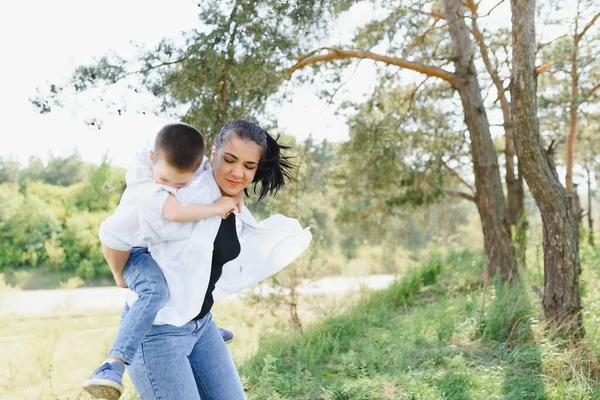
{"points": [[224, 206], [239, 200]]}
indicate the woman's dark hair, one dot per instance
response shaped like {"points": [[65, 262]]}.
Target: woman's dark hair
{"points": [[274, 168]]}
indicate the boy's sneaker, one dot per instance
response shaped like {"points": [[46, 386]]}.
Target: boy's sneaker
{"points": [[226, 335], [106, 382]]}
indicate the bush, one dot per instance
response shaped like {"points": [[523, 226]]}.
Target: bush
{"points": [[26, 224], [81, 245]]}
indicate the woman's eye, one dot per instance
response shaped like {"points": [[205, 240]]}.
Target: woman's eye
{"points": [[229, 160]]}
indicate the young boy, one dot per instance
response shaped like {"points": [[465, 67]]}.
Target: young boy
{"points": [[152, 180]]}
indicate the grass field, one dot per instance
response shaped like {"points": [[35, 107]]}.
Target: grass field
{"points": [[49, 358], [437, 333]]}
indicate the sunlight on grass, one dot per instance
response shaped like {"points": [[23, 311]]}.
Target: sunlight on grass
{"points": [[50, 358]]}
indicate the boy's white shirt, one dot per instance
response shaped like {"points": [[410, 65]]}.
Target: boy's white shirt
{"points": [[121, 230], [184, 250]]}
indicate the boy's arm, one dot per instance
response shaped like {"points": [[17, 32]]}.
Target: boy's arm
{"points": [[116, 260], [187, 212]]}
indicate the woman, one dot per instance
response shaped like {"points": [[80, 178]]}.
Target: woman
{"points": [[184, 356]]}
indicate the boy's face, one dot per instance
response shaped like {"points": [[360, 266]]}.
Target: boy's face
{"points": [[165, 174]]}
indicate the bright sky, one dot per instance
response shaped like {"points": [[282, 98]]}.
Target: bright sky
{"points": [[44, 40]]}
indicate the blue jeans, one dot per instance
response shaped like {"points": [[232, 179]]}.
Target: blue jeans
{"points": [[188, 363], [143, 276]]}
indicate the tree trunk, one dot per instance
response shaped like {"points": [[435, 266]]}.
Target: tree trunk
{"points": [[573, 107], [489, 194], [561, 300], [514, 181], [590, 200]]}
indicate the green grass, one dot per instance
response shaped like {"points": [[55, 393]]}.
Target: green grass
{"points": [[429, 336], [48, 358], [437, 333]]}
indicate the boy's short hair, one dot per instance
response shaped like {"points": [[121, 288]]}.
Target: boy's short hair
{"points": [[182, 146]]}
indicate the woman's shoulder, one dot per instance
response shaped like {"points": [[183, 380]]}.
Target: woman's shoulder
{"points": [[201, 190]]}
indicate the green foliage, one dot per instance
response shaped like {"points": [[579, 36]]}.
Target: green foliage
{"points": [[59, 199], [25, 226], [34, 171], [80, 242], [102, 187], [54, 227], [225, 70], [63, 171], [9, 170], [400, 142]]}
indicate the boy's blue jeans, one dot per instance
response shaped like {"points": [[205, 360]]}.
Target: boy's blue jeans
{"points": [[145, 278]]}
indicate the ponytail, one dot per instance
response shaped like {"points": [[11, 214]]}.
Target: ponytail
{"points": [[274, 169]]}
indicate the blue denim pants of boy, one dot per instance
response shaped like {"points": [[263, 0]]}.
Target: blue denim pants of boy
{"points": [[190, 362], [143, 275]]}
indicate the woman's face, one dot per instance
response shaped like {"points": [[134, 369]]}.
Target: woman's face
{"points": [[235, 163]]}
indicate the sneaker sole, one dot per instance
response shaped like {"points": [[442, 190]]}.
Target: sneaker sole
{"points": [[228, 341], [103, 389]]}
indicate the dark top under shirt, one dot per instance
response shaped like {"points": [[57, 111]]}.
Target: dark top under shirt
{"points": [[226, 248]]}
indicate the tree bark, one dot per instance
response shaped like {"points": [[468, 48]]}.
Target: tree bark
{"points": [[515, 191], [561, 299], [589, 215], [574, 106], [514, 181], [489, 194]]}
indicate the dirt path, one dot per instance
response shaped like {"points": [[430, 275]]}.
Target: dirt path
{"points": [[58, 302]]}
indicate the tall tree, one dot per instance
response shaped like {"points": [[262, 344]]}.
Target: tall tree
{"points": [[10, 169], [578, 34], [588, 151], [569, 89], [513, 175], [561, 298], [489, 195]]}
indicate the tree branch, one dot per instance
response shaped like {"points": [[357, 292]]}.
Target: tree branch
{"points": [[587, 27], [542, 45], [340, 54], [457, 176], [459, 195], [421, 38], [594, 89], [483, 49], [543, 68], [434, 15], [414, 94]]}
